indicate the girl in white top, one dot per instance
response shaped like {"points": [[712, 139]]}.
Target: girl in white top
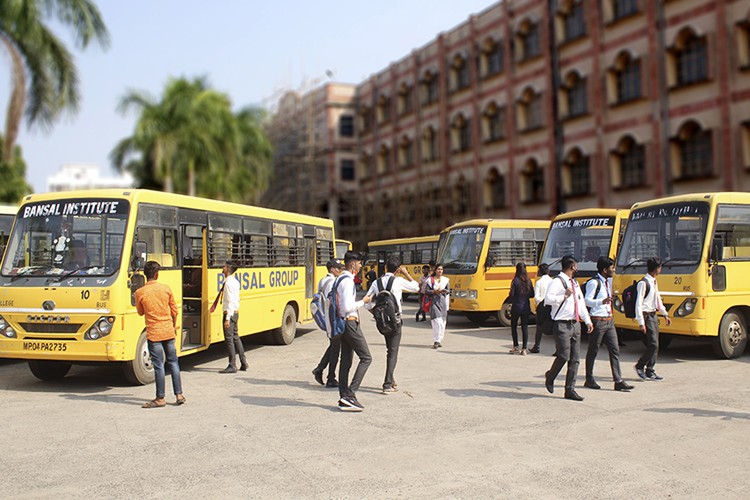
{"points": [[438, 289]]}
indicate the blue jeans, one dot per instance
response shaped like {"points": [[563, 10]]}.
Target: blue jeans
{"points": [[157, 350]]}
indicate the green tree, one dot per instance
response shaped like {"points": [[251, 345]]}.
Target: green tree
{"points": [[37, 53], [13, 173]]}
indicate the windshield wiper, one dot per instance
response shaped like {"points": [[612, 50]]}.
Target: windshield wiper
{"points": [[684, 262], [74, 271], [29, 270], [633, 263]]}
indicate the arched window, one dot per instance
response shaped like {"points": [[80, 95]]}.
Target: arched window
{"points": [[384, 108], [532, 184], [574, 95], [405, 99], [530, 110], [576, 174], [365, 119], [365, 165], [460, 134], [692, 152], [491, 58], [429, 145], [528, 42], [494, 190], [624, 79], [493, 123], [687, 59], [429, 88], [459, 73], [406, 152], [384, 159], [571, 21], [462, 197], [628, 167]]}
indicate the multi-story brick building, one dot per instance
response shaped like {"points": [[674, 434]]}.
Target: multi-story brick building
{"points": [[525, 110]]}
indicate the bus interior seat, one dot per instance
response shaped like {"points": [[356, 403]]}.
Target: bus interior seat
{"points": [[164, 259], [680, 248]]}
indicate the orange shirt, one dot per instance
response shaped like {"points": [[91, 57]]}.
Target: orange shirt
{"points": [[156, 302]]}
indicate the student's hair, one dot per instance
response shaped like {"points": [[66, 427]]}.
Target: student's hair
{"points": [[603, 263], [653, 264], [151, 269], [392, 264], [425, 268], [522, 276], [543, 270], [434, 268], [232, 265], [350, 256], [567, 262]]}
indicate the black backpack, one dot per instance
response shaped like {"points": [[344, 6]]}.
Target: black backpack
{"points": [[386, 312], [630, 295]]}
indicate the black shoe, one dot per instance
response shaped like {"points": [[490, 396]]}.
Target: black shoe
{"points": [[229, 369], [435, 345], [549, 383], [534, 350], [332, 383], [350, 403], [651, 375], [439, 344], [554, 354], [318, 374], [243, 368], [641, 374], [623, 386], [591, 384], [573, 395]]}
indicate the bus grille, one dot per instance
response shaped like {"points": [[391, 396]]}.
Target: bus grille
{"points": [[50, 327]]}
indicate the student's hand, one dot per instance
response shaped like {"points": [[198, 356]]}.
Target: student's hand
{"points": [[607, 300], [668, 320], [642, 328], [590, 327], [568, 292], [367, 299]]}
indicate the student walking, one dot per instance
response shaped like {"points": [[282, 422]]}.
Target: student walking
{"points": [[648, 302], [543, 321], [422, 283], [230, 319], [438, 288], [521, 291], [331, 357]]}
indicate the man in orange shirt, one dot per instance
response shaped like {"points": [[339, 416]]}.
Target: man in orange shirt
{"points": [[156, 302]]}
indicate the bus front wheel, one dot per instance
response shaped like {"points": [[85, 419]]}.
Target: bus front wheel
{"points": [[732, 338], [49, 370], [503, 315], [140, 371], [284, 335]]}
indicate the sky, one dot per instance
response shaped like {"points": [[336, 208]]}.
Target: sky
{"points": [[250, 49]]}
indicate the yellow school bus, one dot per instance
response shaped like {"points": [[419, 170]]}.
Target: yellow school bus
{"points": [[413, 252], [55, 311], [342, 246], [586, 235], [479, 258], [7, 215], [703, 241]]}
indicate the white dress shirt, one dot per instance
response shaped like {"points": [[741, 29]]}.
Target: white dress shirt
{"points": [[231, 303], [650, 303], [540, 288], [347, 295], [564, 309], [400, 285], [595, 300]]}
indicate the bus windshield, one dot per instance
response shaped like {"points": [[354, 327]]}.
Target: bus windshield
{"points": [[674, 233], [585, 238], [67, 238], [461, 248]]}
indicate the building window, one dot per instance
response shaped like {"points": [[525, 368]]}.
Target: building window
{"points": [[745, 141], [365, 165], [493, 123], [692, 152], [365, 119], [347, 170], [494, 190], [576, 174], [532, 183], [743, 44], [574, 96], [384, 160], [528, 40], [405, 99], [687, 59], [460, 134], [491, 58], [383, 109], [429, 88], [462, 198], [406, 152], [459, 74], [571, 21], [429, 145], [624, 8], [530, 110], [624, 79], [346, 126], [628, 165]]}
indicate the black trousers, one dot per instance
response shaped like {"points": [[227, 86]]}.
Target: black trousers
{"points": [[514, 317], [353, 340], [392, 343], [233, 342], [330, 358]]}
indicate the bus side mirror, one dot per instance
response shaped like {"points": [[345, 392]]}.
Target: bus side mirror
{"points": [[716, 251], [140, 251], [489, 262]]}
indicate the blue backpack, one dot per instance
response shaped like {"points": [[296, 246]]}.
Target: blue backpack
{"points": [[337, 323], [318, 307]]}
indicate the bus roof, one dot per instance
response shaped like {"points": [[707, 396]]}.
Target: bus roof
{"points": [[501, 223], [594, 212], [8, 209], [719, 197], [180, 200], [396, 241]]}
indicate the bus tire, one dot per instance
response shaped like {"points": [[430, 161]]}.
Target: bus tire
{"points": [[478, 317], [139, 371], [732, 338], [284, 335], [503, 315], [49, 370]]}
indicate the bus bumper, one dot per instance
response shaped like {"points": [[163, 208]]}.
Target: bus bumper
{"points": [[62, 350]]}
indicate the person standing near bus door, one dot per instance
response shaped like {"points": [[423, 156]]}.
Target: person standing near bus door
{"points": [[646, 307], [231, 291], [521, 291], [543, 321], [438, 287], [156, 302], [599, 300], [402, 282], [352, 340], [331, 357], [568, 308], [422, 284]]}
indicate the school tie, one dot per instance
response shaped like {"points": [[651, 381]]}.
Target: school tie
{"points": [[606, 283], [575, 299], [219, 297]]}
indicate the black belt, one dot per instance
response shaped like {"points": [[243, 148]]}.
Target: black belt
{"points": [[650, 313], [568, 321]]}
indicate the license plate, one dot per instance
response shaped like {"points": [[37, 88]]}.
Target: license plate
{"points": [[45, 346]]}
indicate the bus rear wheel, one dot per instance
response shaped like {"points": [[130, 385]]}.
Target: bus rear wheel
{"points": [[49, 370], [284, 335], [477, 317], [503, 315], [139, 371], [732, 338]]}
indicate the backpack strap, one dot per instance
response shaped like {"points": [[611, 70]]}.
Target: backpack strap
{"points": [[390, 283], [565, 285]]}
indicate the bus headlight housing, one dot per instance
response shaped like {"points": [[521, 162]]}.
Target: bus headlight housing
{"points": [[464, 294], [6, 330], [102, 327], [686, 308], [617, 302]]}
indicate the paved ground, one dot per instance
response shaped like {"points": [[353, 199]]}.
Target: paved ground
{"points": [[471, 421]]}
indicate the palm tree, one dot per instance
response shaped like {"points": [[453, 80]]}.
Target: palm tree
{"points": [[36, 51], [256, 152]]}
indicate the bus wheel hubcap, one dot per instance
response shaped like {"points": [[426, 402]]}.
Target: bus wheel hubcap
{"points": [[735, 333]]}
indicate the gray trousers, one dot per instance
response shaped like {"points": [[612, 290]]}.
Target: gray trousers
{"points": [[652, 343], [233, 342], [392, 343], [604, 332], [567, 339], [353, 340]]}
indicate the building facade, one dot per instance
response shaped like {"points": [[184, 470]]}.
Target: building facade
{"points": [[533, 107], [73, 176]]}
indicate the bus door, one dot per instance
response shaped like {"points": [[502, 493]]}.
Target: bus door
{"points": [[195, 299], [309, 235]]}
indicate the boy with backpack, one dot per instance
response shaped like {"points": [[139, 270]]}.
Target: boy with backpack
{"points": [[331, 356], [647, 303], [386, 293]]}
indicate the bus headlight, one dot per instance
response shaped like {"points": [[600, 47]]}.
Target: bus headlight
{"points": [[10, 333], [686, 308], [101, 328], [464, 294], [618, 304], [3, 324]]}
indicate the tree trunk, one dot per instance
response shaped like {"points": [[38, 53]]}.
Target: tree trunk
{"points": [[15, 105]]}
